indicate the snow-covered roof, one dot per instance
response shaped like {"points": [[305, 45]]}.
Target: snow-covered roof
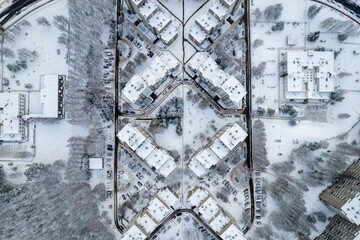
{"points": [[169, 34], [131, 136], [219, 148], [148, 9], [138, 2], [209, 208], [291, 40], [207, 158], [148, 76], [207, 22], [134, 88], [219, 222], [169, 60], [220, 78], [10, 109], [49, 95], [159, 68], [197, 34], [233, 233], [197, 167], [157, 158], [228, 3], [233, 136], [351, 209], [157, 209], [218, 9], [234, 89], [96, 163], [159, 21], [208, 70], [310, 72], [195, 62], [167, 167], [167, 197], [146, 223], [198, 196], [145, 149], [134, 233]]}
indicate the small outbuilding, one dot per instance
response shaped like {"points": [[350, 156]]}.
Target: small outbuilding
{"points": [[96, 163], [291, 40]]}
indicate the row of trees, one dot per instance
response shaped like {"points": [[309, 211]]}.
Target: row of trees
{"points": [[271, 13], [172, 114]]}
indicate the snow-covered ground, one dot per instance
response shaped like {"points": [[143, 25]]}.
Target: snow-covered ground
{"points": [[51, 56]]}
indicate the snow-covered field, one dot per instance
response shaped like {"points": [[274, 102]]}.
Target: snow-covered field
{"points": [[51, 56]]}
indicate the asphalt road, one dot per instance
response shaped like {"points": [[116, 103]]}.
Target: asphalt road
{"points": [[116, 115], [9, 12], [248, 106]]}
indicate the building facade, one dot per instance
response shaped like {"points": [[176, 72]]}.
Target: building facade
{"points": [[344, 195], [340, 229]]}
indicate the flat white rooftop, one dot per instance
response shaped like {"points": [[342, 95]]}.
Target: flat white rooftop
{"points": [[159, 68], [351, 209], [208, 70], [219, 222], [149, 77], [159, 21], [131, 136], [207, 22], [9, 111], [198, 196], [207, 158], [197, 167], [198, 34], [157, 158], [219, 9], [168, 167], [96, 163], [134, 88], [169, 33], [220, 78], [134, 233], [157, 209], [233, 233], [148, 8], [235, 90], [167, 197], [195, 62], [145, 149], [310, 74], [209, 208], [233, 136], [146, 223], [219, 148], [49, 95], [169, 60]]}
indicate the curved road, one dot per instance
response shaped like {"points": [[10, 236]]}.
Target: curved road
{"points": [[11, 11]]}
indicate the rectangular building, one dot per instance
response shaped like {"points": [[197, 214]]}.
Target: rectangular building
{"points": [[12, 107], [228, 88], [309, 75], [224, 141], [142, 85], [344, 195], [214, 215], [140, 142], [340, 229]]}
